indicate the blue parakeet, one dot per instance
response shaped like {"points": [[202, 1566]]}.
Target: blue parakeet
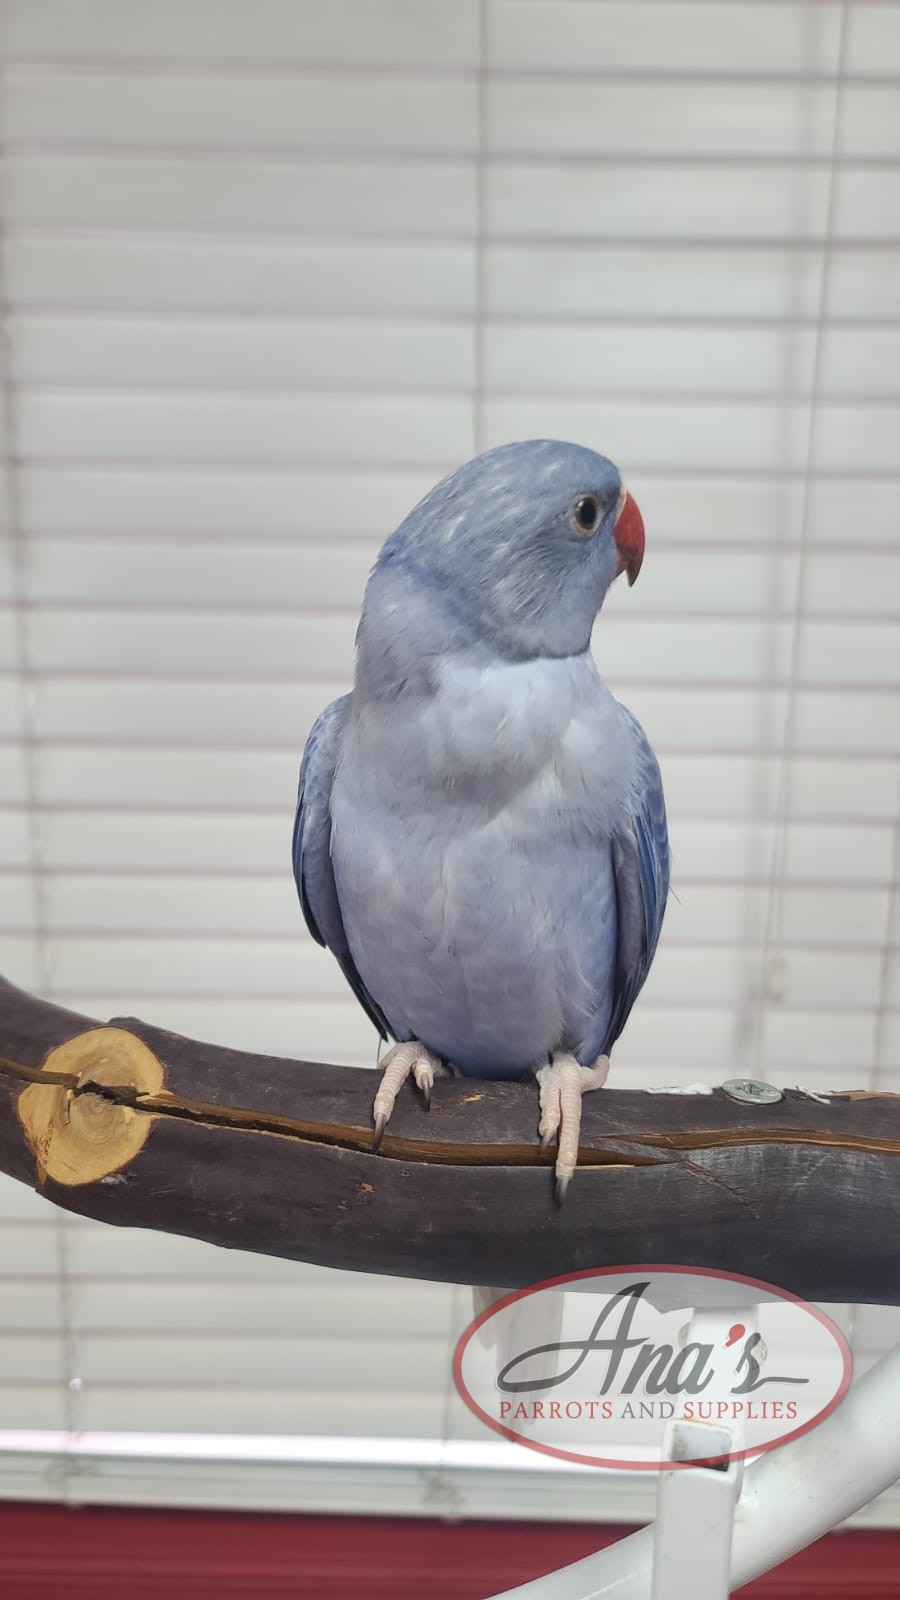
{"points": [[480, 836]]}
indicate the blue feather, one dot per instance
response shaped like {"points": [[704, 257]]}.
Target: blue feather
{"points": [[311, 850], [640, 854]]}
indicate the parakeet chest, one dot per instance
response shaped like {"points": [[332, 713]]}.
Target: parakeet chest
{"points": [[538, 735], [471, 856]]}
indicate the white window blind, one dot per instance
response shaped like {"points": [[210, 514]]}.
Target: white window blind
{"points": [[267, 273]]}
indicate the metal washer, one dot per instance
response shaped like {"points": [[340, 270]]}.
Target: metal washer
{"points": [[752, 1091]]}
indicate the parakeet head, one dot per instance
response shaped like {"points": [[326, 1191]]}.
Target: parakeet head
{"points": [[520, 545]]}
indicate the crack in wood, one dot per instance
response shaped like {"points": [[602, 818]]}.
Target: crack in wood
{"points": [[621, 1149]]}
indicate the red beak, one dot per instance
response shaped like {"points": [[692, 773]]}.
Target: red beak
{"points": [[629, 536]]}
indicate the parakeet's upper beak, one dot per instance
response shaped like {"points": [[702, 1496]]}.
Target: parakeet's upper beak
{"points": [[629, 536]]}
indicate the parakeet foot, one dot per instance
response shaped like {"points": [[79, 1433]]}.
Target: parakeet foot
{"points": [[562, 1085], [401, 1061]]}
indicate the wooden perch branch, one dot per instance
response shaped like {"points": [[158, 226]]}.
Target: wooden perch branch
{"points": [[140, 1127]]}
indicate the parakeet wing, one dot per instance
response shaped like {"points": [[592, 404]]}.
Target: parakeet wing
{"points": [[311, 851], [640, 855]]}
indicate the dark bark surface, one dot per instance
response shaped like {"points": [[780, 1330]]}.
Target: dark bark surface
{"points": [[260, 1153]]}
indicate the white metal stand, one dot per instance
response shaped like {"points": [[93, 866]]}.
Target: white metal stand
{"points": [[695, 1509], [789, 1498], [694, 1523]]}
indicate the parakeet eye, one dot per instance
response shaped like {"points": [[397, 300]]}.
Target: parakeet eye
{"points": [[587, 514]]}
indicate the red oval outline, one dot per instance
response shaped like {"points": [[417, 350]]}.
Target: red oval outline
{"points": [[610, 1463]]}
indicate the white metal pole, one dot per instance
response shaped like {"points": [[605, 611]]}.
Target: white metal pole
{"points": [[695, 1511], [694, 1525], [791, 1496]]}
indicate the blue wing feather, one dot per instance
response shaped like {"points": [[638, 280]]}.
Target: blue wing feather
{"points": [[311, 851], [640, 857]]}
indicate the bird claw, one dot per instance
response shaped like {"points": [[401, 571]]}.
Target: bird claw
{"points": [[561, 1086], [426, 1068], [407, 1059]]}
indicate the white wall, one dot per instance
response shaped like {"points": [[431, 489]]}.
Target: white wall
{"points": [[270, 270]]}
